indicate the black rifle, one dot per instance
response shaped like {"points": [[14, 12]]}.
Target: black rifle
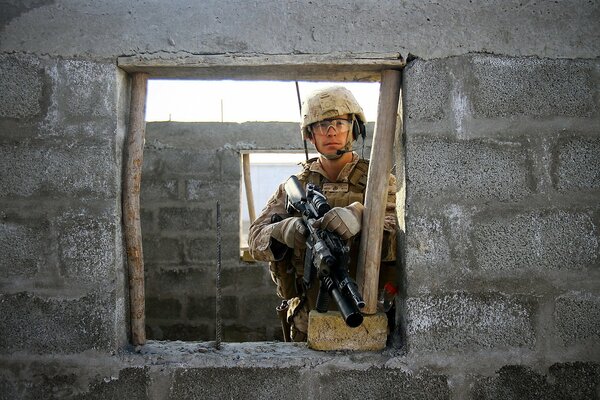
{"points": [[326, 254]]}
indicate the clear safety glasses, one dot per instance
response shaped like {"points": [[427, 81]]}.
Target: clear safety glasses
{"points": [[339, 124]]}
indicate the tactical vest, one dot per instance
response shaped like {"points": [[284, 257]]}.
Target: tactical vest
{"points": [[339, 194]]}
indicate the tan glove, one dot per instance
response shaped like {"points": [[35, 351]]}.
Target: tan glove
{"points": [[345, 221], [291, 231]]}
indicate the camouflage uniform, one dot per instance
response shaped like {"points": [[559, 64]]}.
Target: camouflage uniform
{"points": [[287, 265]]}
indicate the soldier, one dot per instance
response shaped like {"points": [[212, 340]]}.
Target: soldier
{"points": [[332, 120]]}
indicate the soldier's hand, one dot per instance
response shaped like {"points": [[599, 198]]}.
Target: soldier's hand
{"points": [[345, 221], [292, 232]]}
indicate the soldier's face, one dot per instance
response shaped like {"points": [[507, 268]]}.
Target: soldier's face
{"points": [[331, 135]]}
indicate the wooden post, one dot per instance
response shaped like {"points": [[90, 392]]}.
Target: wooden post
{"points": [[131, 205], [369, 256], [248, 186]]}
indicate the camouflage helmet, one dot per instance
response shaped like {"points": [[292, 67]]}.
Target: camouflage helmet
{"points": [[329, 103]]}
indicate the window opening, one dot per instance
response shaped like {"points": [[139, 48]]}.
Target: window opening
{"points": [[179, 246]]}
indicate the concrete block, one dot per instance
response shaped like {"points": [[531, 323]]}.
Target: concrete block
{"points": [[240, 332], [210, 190], [180, 331], [57, 325], [381, 383], [533, 87], [158, 189], [246, 278], [426, 90], [171, 281], [328, 331], [183, 219], [63, 380], [167, 163], [204, 307], [205, 249], [86, 244], [230, 165], [48, 171], [578, 164], [260, 306], [459, 322], [577, 380], [537, 241], [427, 244], [577, 318], [230, 219], [21, 86], [250, 383], [147, 220], [466, 171], [86, 89], [131, 383], [162, 308], [161, 250], [232, 136], [23, 245]]}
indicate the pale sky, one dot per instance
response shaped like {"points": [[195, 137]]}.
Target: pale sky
{"points": [[189, 100]]}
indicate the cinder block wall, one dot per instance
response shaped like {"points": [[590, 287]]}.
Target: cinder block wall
{"points": [[61, 257], [503, 210], [502, 226]]}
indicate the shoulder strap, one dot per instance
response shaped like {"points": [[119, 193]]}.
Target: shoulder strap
{"points": [[358, 177]]}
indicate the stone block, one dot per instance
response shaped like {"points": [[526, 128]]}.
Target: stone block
{"points": [[21, 86], [537, 241], [328, 331], [471, 171], [57, 325], [578, 164], [577, 318], [250, 383], [183, 219], [459, 322], [533, 87]]}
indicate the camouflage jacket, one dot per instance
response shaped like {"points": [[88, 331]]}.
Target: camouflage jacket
{"points": [[349, 187]]}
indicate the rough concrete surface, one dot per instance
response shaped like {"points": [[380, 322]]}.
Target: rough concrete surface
{"points": [[426, 29], [500, 256]]}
